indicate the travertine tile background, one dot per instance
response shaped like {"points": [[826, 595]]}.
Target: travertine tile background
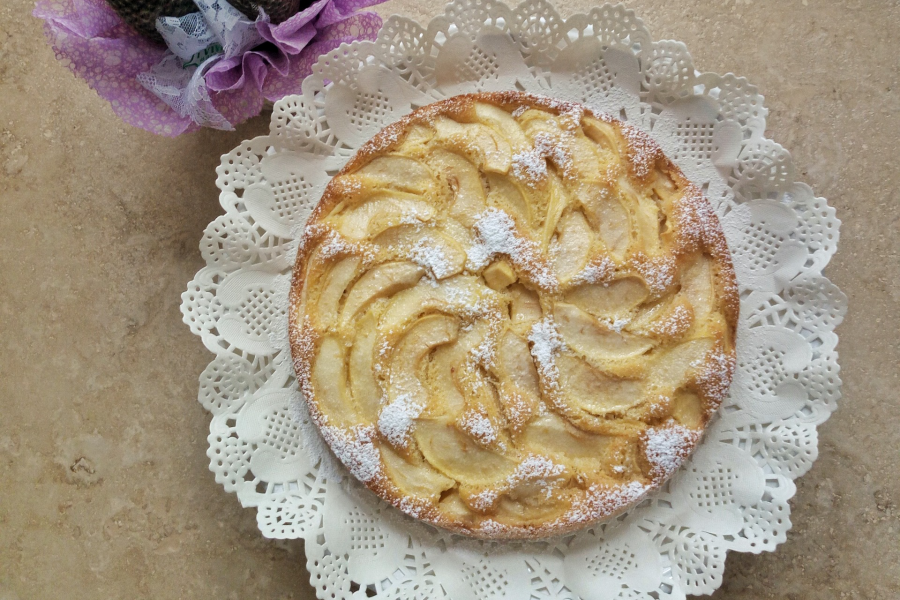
{"points": [[104, 487]]}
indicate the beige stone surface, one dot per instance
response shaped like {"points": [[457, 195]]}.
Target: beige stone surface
{"points": [[104, 487]]}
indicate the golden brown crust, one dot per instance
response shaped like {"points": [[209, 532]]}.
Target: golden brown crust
{"points": [[647, 442]]}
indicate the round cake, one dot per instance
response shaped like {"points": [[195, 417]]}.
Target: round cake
{"points": [[512, 317]]}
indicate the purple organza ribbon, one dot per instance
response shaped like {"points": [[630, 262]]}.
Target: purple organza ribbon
{"points": [[104, 51]]}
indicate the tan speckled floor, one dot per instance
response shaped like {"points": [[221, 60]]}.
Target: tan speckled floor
{"points": [[104, 487]]}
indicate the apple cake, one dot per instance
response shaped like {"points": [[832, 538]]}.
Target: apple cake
{"points": [[512, 317]]}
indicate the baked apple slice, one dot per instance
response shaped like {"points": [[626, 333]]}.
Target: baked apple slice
{"points": [[414, 476], [399, 173], [384, 280], [478, 143], [458, 456], [520, 393], [573, 246], [428, 248], [367, 394], [607, 216], [612, 299], [594, 392], [504, 124], [335, 283], [593, 339], [380, 212], [464, 181]]}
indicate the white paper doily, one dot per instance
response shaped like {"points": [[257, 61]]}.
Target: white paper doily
{"points": [[732, 494]]}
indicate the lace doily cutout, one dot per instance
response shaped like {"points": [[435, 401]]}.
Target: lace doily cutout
{"points": [[732, 495]]}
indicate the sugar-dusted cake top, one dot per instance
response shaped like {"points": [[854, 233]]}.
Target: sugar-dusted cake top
{"points": [[512, 317]]}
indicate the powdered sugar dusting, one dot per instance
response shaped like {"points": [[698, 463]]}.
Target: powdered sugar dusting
{"points": [[697, 223], [484, 353], [667, 447], [412, 217], [303, 343], [673, 324], [496, 232], [643, 152], [479, 427], [387, 138], [602, 501], [619, 324], [484, 500], [334, 244], [570, 113], [492, 528], [529, 166], [556, 150], [600, 269], [535, 467], [545, 345], [411, 506], [397, 419], [659, 274], [355, 448], [715, 374], [432, 258]]}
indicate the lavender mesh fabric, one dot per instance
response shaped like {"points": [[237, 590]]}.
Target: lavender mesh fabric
{"points": [[363, 25], [93, 41]]}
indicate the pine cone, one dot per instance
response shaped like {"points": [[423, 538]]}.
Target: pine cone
{"points": [[142, 14]]}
